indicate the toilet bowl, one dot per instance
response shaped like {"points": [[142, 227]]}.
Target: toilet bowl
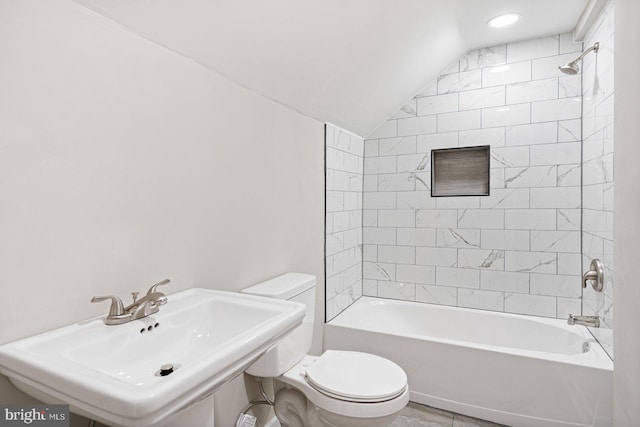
{"points": [[336, 389]]}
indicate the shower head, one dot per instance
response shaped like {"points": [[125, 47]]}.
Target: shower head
{"points": [[572, 67]]}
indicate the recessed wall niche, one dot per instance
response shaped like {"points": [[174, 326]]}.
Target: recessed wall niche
{"points": [[460, 171]]}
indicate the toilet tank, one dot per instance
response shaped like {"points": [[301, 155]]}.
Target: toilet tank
{"points": [[294, 346]]}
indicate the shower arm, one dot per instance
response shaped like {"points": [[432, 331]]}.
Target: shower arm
{"points": [[595, 48]]}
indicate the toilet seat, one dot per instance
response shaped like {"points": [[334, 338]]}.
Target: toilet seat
{"points": [[356, 377]]}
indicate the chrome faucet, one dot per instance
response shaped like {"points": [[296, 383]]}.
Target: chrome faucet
{"points": [[593, 321], [139, 308]]}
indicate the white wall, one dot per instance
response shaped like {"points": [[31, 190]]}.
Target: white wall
{"points": [[344, 154], [517, 250], [597, 171], [626, 393], [122, 163]]}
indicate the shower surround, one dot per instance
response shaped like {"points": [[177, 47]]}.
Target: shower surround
{"points": [[517, 250]]}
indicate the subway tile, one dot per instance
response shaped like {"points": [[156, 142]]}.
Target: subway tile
{"points": [[569, 130], [555, 154], [433, 294], [426, 143], [507, 198], [535, 305], [422, 274], [397, 218], [508, 157], [370, 288], [417, 125], [378, 236], [530, 219], [369, 183], [379, 165], [416, 236], [458, 277], [569, 86], [396, 182], [532, 134], [480, 218], [457, 82], [409, 109], [395, 290], [555, 241], [369, 217], [481, 299], [568, 45], [457, 238], [397, 254], [349, 143], [516, 114], [334, 243], [413, 162], [558, 109], [506, 74], [415, 200], [438, 104], [535, 90], [505, 239], [566, 306], [371, 147], [387, 129], [383, 200], [466, 202], [335, 201], [506, 281], [345, 259], [438, 256], [463, 120], [558, 197], [481, 259], [430, 89], [534, 262], [495, 137], [483, 58], [533, 176], [532, 49], [437, 218], [370, 253], [545, 68], [378, 271], [569, 219], [482, 98], [395, 146], [569, 175], [556, 285], [496, 178]]}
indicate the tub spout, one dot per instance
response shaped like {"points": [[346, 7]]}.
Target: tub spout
{"points": [[593, 321]]}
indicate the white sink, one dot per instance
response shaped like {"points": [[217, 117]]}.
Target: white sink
{"points": [[110, 373]]}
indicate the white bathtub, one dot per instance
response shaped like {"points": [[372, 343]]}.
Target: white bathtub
{"points": [[510, 369]]}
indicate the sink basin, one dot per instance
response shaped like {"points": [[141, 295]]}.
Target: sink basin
{"points": [[111, 373]]}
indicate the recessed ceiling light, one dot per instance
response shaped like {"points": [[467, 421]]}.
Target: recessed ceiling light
{"points": [[503, 20]]}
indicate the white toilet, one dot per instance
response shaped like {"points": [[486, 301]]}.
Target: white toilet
{"points": [[337, 389]]}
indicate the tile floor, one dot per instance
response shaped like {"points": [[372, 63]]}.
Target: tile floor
{"points": [[415, 415]]}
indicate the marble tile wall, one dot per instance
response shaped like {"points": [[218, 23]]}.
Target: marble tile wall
{"points": [[344, 166], [597, 172], [517, 250]]}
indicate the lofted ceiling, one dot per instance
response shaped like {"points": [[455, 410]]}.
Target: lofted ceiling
{"points": [[353, 63]]}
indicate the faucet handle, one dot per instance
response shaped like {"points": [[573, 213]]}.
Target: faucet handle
{"points": [[152, 289], [116, 309]]}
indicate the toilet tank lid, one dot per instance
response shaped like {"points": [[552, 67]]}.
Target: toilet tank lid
{"points": [[283, 287]]}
